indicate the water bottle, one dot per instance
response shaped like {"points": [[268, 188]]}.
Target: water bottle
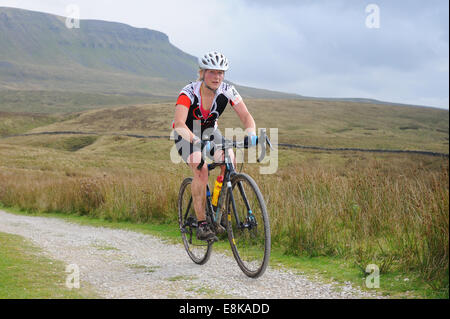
{"points": [[216, 192]]}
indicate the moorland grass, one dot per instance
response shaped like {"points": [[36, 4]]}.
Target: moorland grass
{"points": [[386, 209], [25, 273], [389, 210]]}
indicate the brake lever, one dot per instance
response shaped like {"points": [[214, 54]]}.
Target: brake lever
{"points": [[203, 154], [212, 145], [263, 151], [202, 161], [269, 143]]}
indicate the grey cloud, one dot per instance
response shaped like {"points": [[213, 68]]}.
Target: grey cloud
{"points": [[313, 47], [329, 40]]}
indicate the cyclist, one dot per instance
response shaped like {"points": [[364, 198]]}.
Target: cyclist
{"points": [[198, 107]]}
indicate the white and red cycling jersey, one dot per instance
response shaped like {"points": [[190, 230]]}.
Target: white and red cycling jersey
{"points": [[190, 96]]}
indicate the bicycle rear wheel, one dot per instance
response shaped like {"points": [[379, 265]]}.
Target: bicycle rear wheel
{"points": [[248, 225], [199, 251]]}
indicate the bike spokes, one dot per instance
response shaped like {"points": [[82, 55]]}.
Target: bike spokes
{"points": [[248, 226], [199, 251]]}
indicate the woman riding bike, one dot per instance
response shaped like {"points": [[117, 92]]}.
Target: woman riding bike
{"points": [[198, 107]]}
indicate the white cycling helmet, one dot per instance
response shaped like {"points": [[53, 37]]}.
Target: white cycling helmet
{"points": [[213, 61]]}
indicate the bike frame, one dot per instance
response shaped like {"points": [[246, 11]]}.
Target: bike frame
{"points": [[230, 171], [243, 221]]}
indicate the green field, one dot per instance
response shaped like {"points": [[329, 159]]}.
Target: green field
{"points": [[304, 122], [26, 274], [326, 208], [48, 103]]}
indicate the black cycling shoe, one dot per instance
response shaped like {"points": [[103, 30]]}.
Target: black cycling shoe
{"points": [[204, 232]]}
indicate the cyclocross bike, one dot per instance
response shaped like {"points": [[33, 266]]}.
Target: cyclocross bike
{"points": [[240, 208]]}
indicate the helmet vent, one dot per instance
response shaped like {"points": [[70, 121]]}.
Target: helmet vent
{"points": [[213, 60]]}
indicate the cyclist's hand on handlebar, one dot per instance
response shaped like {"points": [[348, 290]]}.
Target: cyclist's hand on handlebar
{"points": [[250, 140]]}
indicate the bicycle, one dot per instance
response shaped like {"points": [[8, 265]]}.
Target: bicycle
{"points": [[242, 209]]}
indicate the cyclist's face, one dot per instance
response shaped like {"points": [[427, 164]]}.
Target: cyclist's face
{"points": [[213, 78]]}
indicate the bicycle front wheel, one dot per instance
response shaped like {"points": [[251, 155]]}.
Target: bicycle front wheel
{"points": [[199, 251], [248, 225]]}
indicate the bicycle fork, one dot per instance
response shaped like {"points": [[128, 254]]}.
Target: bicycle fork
{"points": [[250, 222]]}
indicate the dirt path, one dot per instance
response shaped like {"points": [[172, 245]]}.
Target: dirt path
{"points": [[125, 264]]}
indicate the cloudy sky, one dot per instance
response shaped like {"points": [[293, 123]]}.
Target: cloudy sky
{"points": [[394, 51]]}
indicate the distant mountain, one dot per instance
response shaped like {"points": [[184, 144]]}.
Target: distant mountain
{"points": [[38, 52], [33, 38]]}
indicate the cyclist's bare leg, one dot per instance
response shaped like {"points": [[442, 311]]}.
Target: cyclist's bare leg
{"points": [[198, 186], [200, 180]]}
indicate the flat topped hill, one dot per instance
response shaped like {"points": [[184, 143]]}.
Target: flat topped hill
{"points": [[39, 52], [31, 42]]}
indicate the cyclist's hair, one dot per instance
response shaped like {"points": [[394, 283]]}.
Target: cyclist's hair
{"points": [[201, 74]]}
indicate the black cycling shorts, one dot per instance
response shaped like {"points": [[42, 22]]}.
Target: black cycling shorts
{"points": [[186, 148]]}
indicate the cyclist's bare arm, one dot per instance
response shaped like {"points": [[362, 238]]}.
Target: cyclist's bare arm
{"points": [[181, 113], [245, 117]]}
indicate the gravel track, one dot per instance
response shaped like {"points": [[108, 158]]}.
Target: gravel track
{"points": [[126, 264]]}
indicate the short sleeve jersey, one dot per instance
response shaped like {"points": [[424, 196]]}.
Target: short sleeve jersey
{"points": [[190, 97]]}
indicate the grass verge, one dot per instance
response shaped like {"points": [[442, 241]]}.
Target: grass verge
{"points": [[26, 274], [321, 268]]}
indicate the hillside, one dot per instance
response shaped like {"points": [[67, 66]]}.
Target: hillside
{"points": [[38, 50], [310, 122], [101, 63], [39, 53], [352, 208]]}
